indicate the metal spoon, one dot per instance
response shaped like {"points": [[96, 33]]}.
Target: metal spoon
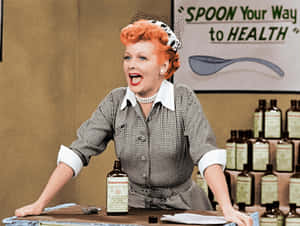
{"points": [[207, 65]]}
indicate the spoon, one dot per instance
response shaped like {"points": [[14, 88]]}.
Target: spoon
{"points": [[207, 65]]}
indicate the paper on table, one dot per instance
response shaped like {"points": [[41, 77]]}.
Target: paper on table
{"points": [[190, 218]]}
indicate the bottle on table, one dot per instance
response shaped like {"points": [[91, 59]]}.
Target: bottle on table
{"points": [[292, 218], [117, 191], [278, 213], [259, 118], [260, 153], [285, 154], [269, 186], [294, 187], [273, 121], [293, 120], [245, 187], [243, 151], [231, 150], [268, 218]]}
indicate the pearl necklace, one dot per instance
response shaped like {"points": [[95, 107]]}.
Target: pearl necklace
{"points": [[146, 100]]}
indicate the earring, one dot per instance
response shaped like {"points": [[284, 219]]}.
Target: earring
{"points": [[162, 71]]}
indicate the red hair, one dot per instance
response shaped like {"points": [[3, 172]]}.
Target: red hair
{"points": [[142, 30]]}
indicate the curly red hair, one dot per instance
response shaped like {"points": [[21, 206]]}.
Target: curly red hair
{"points": [[142, 30]]}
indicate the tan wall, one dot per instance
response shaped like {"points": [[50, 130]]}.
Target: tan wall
{"points": [[60, 59]]}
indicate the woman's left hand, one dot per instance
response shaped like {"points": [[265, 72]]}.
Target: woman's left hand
{"points": [[241, 219]]}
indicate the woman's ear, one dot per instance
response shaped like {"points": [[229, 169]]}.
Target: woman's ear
{"points": [[164, 67]]}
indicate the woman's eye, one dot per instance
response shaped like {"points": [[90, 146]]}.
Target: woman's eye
{"points": [[126, 57], [143, 58]]}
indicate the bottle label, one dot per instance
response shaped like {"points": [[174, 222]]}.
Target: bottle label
{"points": [[294, 192], [272, 124], [284, 157], [260, 156], [258, 117], [117, 194], [230, 150], [202, 183], [269, 189], [241, 155], [292, 221], [294, 124], [268, 221], [243, 190], [280, 220]]}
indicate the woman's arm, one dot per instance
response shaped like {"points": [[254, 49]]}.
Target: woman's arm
{"points": [[215, 179], [60, 176]]}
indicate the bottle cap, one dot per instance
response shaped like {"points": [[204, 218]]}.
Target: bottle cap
{"points": [[152, 220], [269, 167], [285, 134], [298, 168], [262, 102], [261, 134], [273, 102], [276, 204], [269, 206]]}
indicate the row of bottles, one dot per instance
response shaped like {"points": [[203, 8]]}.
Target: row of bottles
{"points": [[242, 149], [269, 120]]}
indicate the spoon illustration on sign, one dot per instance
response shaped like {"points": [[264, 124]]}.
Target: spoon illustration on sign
{"points": [[208, 65]]}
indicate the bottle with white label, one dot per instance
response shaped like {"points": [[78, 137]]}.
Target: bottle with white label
{"points": [[268, 218], [231, 150], [294, 187], [117, 191], [201, 182], [278, 213], [293, 120], [243, 151], [259, 118], [292, 218], [269, 186], [285, 154], [273, 121], [260, 153], [245, 187]]}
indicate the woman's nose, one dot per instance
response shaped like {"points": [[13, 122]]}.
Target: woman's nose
{"points": [[132, 64]]}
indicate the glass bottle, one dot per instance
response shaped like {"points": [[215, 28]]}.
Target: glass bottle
{"points": [[268, 218], [202, 183], [293, 120], [117, 191], [278, 213], [260, 153], [245, 187], [269, 186], [231, 150], [285, 154], [243, 151], [292, 218], [273, 121], [294, 187], [259, 118]]}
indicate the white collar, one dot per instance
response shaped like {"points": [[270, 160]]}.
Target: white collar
{"points": [[165, 95]]}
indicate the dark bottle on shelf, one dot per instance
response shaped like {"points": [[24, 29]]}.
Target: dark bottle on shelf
{"points": [[269, 186], [243, 151], [293, 120], [117, 191], [268, 218], [260, 153], [245, 187], [292, 218], [294, 187], [278, 213], [285, 154], [231, 150], [202, 183], [242, 207], [273, 121], [259, 118]]}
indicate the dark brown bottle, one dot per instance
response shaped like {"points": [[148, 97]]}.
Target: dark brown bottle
{"points": [[268, 218], [285, 154], [231, 150], [243, 151], [278, 213], [292, 218], [117, 191], [259, 118], [273, 121], [294, 187], [269, 186], [260, 153], [245, 187], [293, 120]]}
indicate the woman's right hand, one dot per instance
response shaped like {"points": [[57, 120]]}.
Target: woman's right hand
{"points": [[31, 209]]}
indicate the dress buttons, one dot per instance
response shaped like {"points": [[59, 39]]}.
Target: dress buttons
{"points": [[142, 138], [143, 158]]}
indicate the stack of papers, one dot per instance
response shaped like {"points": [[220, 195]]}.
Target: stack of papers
{"points": [[190, 218]]}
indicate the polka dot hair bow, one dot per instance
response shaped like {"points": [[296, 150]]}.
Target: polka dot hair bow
{"points": [[172, 39]]}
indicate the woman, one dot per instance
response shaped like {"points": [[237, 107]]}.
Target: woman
{"points": [[159, 130]]}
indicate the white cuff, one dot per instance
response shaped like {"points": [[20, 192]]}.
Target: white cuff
{"points": [[217, 156], [67, 156]]}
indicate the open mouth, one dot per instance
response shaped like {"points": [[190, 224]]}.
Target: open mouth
{"points": [[135, 79]]}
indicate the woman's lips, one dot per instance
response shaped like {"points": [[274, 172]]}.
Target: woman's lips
{"points": [[135, 79]]}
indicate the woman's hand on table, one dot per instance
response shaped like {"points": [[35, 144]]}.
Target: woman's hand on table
{"points": [[31, 209], [237, 217]]}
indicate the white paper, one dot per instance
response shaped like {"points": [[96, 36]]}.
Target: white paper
{"points": [[190, 218]]}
